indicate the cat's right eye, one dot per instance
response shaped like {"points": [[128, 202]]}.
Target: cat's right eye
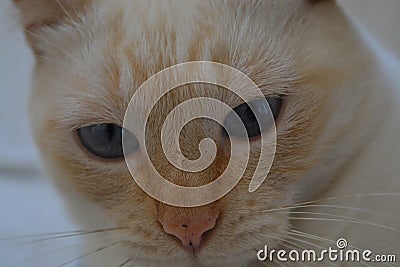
{"points": [[105, 140]]}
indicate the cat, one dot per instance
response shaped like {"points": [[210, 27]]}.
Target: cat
{"points": [[333, 92]]}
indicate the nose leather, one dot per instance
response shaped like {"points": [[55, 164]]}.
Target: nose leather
{"points": [[191, 232]]}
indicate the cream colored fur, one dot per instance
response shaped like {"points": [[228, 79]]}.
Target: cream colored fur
{"points": [[337, 134]]}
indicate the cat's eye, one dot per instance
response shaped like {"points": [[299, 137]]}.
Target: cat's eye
{"points": [[248, 112], [105, 140]]}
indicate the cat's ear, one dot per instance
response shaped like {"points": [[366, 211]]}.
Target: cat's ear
{"points": [[36, 14]]}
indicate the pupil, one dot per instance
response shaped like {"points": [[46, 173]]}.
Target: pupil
{"points": [[110, 132], [250, 115]]}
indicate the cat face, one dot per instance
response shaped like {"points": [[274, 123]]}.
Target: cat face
{"points": [[93, 56]]}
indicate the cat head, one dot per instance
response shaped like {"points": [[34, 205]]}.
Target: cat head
{"points": [[92, 56]]}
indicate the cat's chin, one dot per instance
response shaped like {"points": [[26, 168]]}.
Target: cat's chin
{"points": [[203, 259], [232, 262]]}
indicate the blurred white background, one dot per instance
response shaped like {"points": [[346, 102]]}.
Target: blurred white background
{"points": [[28, 204]]}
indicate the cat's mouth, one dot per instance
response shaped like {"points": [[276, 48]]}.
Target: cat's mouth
{"points": [[194, 251], [213, 251]]}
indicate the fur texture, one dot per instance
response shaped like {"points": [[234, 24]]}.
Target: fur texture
{"points": [[336, 131]]}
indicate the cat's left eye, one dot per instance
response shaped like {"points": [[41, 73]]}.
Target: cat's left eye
{"points": [[105, 140], [256, 116]]}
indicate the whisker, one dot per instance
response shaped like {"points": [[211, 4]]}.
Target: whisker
{"points": [[40, 235], [89, 254], [67, 236], [319, 238], [349, 196], [311, 244], [285, 241], [350, 221], [49, 252], [306, 203], [332, 206], [125, 263], [344, 217]]}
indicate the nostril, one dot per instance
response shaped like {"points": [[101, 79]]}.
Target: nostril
{"points": [[190, 233]]}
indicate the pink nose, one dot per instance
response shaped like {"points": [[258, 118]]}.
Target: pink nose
{"points": [[190, 233]]}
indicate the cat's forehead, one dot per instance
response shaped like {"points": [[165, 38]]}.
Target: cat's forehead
{"points": [[149, 36], [128, 44]]}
